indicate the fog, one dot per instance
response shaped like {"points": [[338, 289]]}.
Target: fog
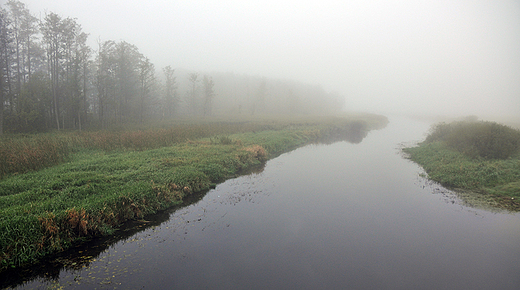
{"points": [[422, 57]]}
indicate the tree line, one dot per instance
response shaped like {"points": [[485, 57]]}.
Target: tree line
{"points": [[51, 79]]}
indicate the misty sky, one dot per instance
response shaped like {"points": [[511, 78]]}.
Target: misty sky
{"points": [[438, 56]]}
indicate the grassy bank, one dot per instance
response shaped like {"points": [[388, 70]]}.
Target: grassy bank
{"points": [[478, 157], [96, 181]]}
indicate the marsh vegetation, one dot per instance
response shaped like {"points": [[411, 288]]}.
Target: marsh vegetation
{"points": [[483, 157], [352, 215], [93, 182]]}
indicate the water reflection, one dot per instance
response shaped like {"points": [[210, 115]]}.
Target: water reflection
{"points": [[355, 133]]}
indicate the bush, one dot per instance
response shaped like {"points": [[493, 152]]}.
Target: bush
{"points": [[488, 140]]}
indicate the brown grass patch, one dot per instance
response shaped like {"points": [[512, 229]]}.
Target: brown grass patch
{"points": [[258, 152]]}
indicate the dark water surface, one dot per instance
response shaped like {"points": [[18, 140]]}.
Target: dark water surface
{"points": [[339, 216]]}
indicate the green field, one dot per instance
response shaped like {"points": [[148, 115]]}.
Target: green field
{"points": [[481, 158], [60, 189]]}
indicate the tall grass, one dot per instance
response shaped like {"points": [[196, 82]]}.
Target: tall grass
{"points": [[24, 153]]}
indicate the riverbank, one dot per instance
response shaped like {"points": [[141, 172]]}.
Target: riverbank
{"points": [[471, 158], [93, 189]]}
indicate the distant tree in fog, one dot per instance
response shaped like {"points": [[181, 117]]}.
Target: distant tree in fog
{"points": [[52, 38], [147, 83], [170, 92], [209, 93], [192, 95], [293, 102], [67, 57], [125, 81], [23, 30], [5, 44], [51, 79], [258, 105], [105, 79]]}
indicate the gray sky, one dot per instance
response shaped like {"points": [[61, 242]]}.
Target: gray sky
{"points": [[438, 56]]}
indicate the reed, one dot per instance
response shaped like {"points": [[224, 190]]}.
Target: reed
{"points": [[23, 154]]}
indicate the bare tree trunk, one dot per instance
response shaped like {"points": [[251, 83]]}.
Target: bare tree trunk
{"points": [[101, 113], [18, 74], [3, 60], [29, 56], [82, 102], [9, 87], [1, 103], [55, 94], [1, 115], [79, 120]]}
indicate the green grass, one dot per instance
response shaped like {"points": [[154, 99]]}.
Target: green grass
{"points": [[453, 160], [24, 153], [99, 185]]}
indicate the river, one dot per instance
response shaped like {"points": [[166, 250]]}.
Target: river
{"points": [[336, 216]]}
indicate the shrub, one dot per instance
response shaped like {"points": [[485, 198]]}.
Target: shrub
{"points": [[488, 140]]}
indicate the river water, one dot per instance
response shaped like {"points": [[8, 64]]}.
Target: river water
{"points": [[337, 216]]}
